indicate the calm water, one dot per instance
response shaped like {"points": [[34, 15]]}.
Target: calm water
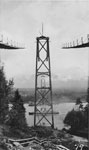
{"points": [[62, 108]]}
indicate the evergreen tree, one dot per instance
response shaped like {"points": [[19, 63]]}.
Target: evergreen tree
{"points": [[77, 119], [87, 95], [5, 89], [17, 113]]}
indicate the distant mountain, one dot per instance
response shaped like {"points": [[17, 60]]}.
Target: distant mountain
{"points": [[75, 85], [62, 85], [71, 84], [60, 95], [70, 78]]}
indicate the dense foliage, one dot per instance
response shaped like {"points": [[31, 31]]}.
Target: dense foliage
{"points": [[5, 90], [14, 116], [17, 113], [77, 119]]}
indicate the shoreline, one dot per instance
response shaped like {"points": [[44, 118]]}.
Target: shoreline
{"points": [[78, 133]]}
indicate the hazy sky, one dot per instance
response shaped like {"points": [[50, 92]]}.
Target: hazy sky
{"points": [[64, 21]]}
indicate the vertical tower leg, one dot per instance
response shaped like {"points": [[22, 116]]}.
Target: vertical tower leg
{"points": [[43, 108]]}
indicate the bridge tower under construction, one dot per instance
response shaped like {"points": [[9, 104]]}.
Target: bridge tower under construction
{"points": [[43, 108]]}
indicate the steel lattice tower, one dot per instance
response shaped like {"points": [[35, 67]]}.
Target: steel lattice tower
{"points": [[43, 87]]}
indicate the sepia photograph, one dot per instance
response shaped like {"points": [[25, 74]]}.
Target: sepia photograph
{"points": [[44, 74]]}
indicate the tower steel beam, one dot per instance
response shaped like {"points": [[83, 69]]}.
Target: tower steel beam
{"points": [[43, 93]]}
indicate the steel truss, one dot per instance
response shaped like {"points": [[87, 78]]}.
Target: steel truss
{"points": [[43, 93]]}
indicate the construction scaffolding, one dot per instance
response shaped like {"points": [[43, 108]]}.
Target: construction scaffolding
{"points": [[9, 44]]}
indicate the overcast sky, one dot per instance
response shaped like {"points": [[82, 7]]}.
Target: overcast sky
{"points": [[64, 21]]}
